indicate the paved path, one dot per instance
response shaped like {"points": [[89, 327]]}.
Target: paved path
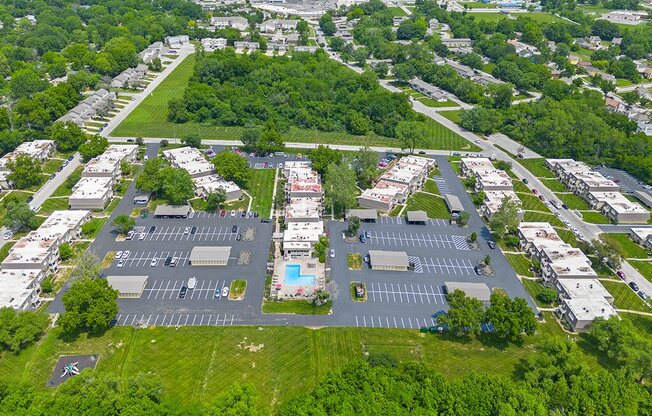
{"points": [[139, 97], [633, 87]]}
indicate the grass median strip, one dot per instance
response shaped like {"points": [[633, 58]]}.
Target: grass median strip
{"points": [[624, 296]]}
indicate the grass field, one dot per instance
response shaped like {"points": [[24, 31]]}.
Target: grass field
{"points": [[51, 165], [434, 206], [454, 115], [431, 187], [354, 261], [238, 289], [4, 250], [149, 119], [573, 201], [630, 249], [532, 203], [397, 11], [64, 189], [92, 228], [478, 5], [554, 185], [624, 297], [261, 187], [537, 167], [643, 267], [533, 288], [567, 236], [594, 217], [541, 217], [520, 263], [53, 204], [303, 307]]}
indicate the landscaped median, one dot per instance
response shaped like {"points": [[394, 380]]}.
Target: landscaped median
{"points": [[237, 289]]}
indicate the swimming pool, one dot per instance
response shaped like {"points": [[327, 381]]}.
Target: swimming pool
{"points": [[293, 276]]}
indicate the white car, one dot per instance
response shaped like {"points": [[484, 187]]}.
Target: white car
{"points": [[232, 213], [118, 255], [154, 262], [125, 254], [575, 230], [557, 213], [225, 291], [8, 235], [567, 223], [142, 236], [121, 263], [186, 230], [332, 253]]}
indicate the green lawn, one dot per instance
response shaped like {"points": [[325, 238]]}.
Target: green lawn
{"points": [[437, 104], [554, 185], [397, 11], [303, 307], [454, 115], [261, 187], [93, 227], [4, 250], [624, 297], [51, 166], [149, 119], [520, 187], [431, 187], [620, 82], [541, 217], [537, 167], [573, 201], [520, 263], [533, 288], [629, 248], [532, 203], [354, 261], [643, 267], [567, 236], [488, 17], [434, 206], [53, 204], [478, 5], [594, 217], [238, 289], [64, 189]]}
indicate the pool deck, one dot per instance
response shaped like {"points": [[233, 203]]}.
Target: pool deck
{"points": [[308, 267]]}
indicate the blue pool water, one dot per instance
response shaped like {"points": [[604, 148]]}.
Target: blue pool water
{"points": [[293, 276]]}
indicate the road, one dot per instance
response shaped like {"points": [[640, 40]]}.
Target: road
{"points": [[633, 87], [182, 53]]}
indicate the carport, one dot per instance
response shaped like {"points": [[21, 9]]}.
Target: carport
{"points": [[366, 215], [389, 260], [480, 291], [128, 286], [417, 217], [644, 197], [453, 203], [172, 211], [210, 255]]}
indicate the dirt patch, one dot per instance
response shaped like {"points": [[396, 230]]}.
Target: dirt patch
{"points": [[249, 234], [250, 347]]}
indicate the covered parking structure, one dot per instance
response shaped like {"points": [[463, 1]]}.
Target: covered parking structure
{"points": [[417, 217], [172, 211], [480, 291], [128, 286], [210, 255], [453, 203], [396, 261], [366, 215]]}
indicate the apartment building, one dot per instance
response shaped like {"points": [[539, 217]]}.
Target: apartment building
{"points": [[428, 90], [153, 51], [100, 167], [642, 236], [581, 312], [494, 200], [585, 183], [272, 25], [232, 22], [208, 184], [91, 193], [213, 44], [384, 196], [582, 288], [565, 263], [39, 150], [472, 166], [534, 237], [303, 210], [618, 208], [191, 160], [97, 104], [20, 288], [131, 78]]}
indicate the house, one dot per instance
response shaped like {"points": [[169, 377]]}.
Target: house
{"points": [[428, 90], [131, 78], [153, 51], [231, 22], [98, 104], [175, 42], [209, 184], [457, 42], [213, 44], [523, 49]]}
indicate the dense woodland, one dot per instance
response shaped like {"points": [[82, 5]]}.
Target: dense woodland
{"points": [[308, 91]]}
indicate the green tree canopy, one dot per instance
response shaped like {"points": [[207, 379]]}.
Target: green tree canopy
{"points": [[322, 157], [19, 329], [464, 315], [94, 146], [124, 223], [232, 167], [90, 306], [25, 172]]}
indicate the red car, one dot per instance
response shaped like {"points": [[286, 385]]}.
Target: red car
{"points": [[222, 213], [620, 274], [535, 192], [616, 180], [541, 198]]}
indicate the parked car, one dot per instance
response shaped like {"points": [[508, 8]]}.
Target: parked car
{"points": [[182, 292], [363, 239], [456, 154], [8, 235], [367, 234], [225, 291], [192, 282], [121, 263], [217, 293], [634, 286], [152, 228], [167, 261], [567, 223], [130, 235], [154, 262], [535, 192], [491, 244], [186, 230], [642, 294], [620, 274], [541, 198], [193, 230], [244, 214], [332, 253], [564, 206], [232, 213], [525, 181], [53, 175], [238, 237], [30, 199], [118, 255], [142, 236], [477, 270], [234, 229], [174, 261], [125, 254], [222, 213], [366, 258]]}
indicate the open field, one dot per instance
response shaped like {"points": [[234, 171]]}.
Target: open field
{"points": [[594, 217], [397, 11], [261, 187], [434, 206], [454, 115], [539, 17], [53, 204], [542, 217], [532, 203], [573, 201], [554, 185], [149, 119], [537, 167], [304, 307], [624, 297], [630, 249], [643, 267]]}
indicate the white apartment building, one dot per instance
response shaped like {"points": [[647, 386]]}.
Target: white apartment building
{"points": [[153, 51], [232, 22], [617, 208], [471, 166], [384, 196], [493, 201], [536, 236], [208, 184], [581, 312], [585, 183], [303, 210], [191, 160], [272, 25], [642, 236], [20, 288], [213, 44], [582, 289], [299, 238], [91, 193], [128, 152], [565, 263], [39, 150], [100, 167]]}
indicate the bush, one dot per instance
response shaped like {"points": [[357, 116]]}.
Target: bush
{"points": [[547, 296]]}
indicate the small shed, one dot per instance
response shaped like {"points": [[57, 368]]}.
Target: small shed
{"points": [[480, 291], [417, 217], [453, 203], [389, 260], [210, 255], [366, 215], [128, 286]]}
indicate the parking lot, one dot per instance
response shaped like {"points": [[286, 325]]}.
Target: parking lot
{"points": [[175, 319], [179, 233], [416, 239], [405, 293]]}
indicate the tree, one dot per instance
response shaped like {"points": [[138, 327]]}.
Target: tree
{"points": [[90, 306], [630, 97], [270, 139], [510, 318], [176, 185], [322, 157], [411, 134], [610, 250], [156, 65], [354, 225], [124, 223], [501, 94], [232, 167], [473, 60], [364, 164], [67, 135], [358, 124], [505, 219], [464, 314], [19, 329], [192, 140], [474, 237], [149, 179], [249, 139], [94, 146], [87, 266], [26, 82], [18, 214], [215, 200], [238, 400], [532, 34], [125, 168], [164, 143], [25, 171], [547, 295], [65, 251], [339, 187], [487, 260], [463, 218], [140, 141], [326, 25], [320, 298]]}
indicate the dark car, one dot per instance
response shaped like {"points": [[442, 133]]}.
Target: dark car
{"points": [[642, 294], [53, 175], [477, 270], [152, 228], [244, 214], [193, 230], [238, 237], [541, 198], [620, 274], [491, 244], [70, 157], [535, 192], [255, 214], [168, 260], [30, 199], [564, 206], [634, 286], [265, 221], [525, 181], [182, 292], [131, 140], [60, 168], [363, 239], [234, 229]]}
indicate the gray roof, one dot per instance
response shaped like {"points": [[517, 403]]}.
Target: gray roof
{"points": [[417, 216], [480, 291], [453, 202], [127, 284], [388, 258], [363, 214], [644, 197], [204, 253], [172, 210]]}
